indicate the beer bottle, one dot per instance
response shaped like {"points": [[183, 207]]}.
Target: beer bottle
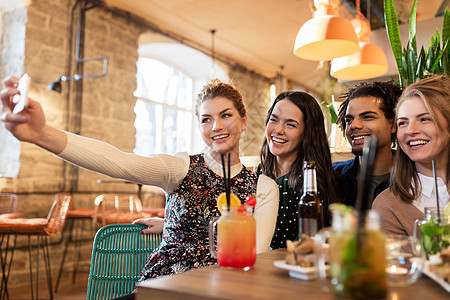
{"points": [[310, 212]]}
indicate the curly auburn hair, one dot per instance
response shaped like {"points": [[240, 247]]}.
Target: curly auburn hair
{"points": [[218, 88]]}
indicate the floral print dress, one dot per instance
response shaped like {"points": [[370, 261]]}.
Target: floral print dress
{"points": [[189, 208]]}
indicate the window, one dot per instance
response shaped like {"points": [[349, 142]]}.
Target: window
{"points": [[169, 77], [165, 120], [13, 16]]}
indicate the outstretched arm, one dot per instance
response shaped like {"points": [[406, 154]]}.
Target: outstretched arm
{"points": [[29, 125], [165, 171]]}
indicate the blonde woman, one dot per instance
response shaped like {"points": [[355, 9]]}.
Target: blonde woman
{"points": [[423, 120]]}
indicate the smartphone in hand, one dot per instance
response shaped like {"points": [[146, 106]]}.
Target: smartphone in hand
{"points": [[21, 100]]}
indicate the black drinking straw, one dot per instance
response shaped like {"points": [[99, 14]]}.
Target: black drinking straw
{"points": [[365, 178], [225, 180], [436, 192], [229, 181]]}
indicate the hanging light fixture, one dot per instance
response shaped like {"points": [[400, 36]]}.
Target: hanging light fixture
{"points": [[326, 35], [369, 62]]}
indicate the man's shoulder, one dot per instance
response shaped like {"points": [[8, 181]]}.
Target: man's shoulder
{"points": [[342, 166]]}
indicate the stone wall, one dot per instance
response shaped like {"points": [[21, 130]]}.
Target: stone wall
{"points": [[105, 112], [255, 91]]}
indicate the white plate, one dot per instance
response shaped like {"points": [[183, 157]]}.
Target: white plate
{"points": [[297, 271], [439, 280]]}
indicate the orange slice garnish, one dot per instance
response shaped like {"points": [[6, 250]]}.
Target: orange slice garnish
{"points": [[222, 200]]}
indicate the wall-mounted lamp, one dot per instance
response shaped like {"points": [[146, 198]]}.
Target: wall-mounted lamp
{"points": [[56, 85], [326, 35]]}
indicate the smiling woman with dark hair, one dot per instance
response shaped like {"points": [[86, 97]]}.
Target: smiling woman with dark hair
{"points": [[295, 132]]}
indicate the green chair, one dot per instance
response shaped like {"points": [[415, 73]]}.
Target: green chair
{"points": [[118, 255]]}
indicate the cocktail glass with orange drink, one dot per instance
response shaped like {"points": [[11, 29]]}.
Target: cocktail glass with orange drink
{"points": [[236, 236]]}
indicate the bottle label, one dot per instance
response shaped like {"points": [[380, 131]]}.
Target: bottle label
{"points": [[307, 226], [309, 182]]}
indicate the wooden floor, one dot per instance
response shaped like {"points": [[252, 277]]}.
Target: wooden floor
{"points": [[66, 291]]}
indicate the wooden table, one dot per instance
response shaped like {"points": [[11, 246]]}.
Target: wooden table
{"points": [[263, 281]]}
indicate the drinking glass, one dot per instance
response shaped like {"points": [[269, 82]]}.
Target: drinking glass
{"points": [[356, 268], [432, 231], [405, 259], [236, 238]]}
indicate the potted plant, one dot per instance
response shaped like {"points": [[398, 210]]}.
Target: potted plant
{"points": [[413, 65]]}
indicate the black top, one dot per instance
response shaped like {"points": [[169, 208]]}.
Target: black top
{"points": [[287, 219], [347, 172]]}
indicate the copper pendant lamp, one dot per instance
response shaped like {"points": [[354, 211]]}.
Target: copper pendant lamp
{"points": [[325, 36], [368, 62]]}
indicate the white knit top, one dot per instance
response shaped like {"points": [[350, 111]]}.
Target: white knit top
{"points": [[167, 172]]}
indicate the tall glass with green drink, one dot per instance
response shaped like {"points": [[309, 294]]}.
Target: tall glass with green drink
{"points": [[433, 231], [357, 268]]}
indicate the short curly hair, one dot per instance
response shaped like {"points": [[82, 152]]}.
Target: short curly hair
{"points": [[218, 88], [389, 92]]}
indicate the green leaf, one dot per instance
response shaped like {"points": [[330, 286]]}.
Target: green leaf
{"points": [[446, 25], [393, 32], [331, 110], [445, 40], [421, 63], [412, 61], [402, 69], [429, 61], [333, 113], [438, 59], [412, 24]]}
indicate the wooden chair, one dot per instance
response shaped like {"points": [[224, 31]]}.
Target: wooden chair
{"points": [[154, 204], [78, 219], [41, 228], [117, 209], [119, 253], [8, 210], [8, 205]]}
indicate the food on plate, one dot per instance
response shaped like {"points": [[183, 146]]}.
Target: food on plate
{"points": [[300, 252], [442, 269]]}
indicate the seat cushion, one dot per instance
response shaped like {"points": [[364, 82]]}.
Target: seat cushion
{"points": [[118, 218], [9, 216], [153, 212], [80, 213], [23, 226]]}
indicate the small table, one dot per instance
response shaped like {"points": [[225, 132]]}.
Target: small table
{"points": [[263, 281]]}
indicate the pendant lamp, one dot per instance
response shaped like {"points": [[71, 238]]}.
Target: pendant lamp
{"points": [[369, 62], [326, 35]]}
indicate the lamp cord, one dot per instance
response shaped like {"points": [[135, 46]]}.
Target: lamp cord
{"points": [[213, 53]]}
